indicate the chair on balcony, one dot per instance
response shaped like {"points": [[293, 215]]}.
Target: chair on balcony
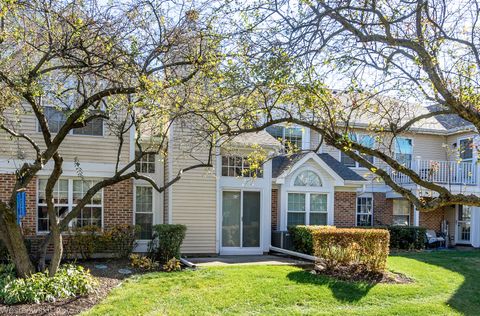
{"points": [[434, 240]]}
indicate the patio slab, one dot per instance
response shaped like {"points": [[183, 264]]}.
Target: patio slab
{"points": [[248, 260]]}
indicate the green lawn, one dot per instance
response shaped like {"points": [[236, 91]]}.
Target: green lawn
{"points": [[446, 283]]}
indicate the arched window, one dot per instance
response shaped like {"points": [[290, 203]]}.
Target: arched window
{"points": [[308, 178]]}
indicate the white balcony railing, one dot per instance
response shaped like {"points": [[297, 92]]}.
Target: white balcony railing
{"points": [[442, 172]]}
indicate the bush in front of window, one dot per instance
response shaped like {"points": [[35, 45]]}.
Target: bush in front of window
{"points": [[407, 237], [345, 248], [121, 239], [82, 242], [302, 237], [166, 241]]}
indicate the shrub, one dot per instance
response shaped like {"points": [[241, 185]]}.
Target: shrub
{"points": [[83, 242], [172, 265], [3, 252], [302, 237], [407, 237], [70, 281], [166, 241], [121, 239], [142, 262], [344, 247]]}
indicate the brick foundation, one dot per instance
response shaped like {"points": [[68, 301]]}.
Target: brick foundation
{"points": [[274, 209], [344, 209]]}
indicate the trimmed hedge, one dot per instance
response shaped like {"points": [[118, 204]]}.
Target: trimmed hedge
{"points": [[343, 247], [166, 241], [407, 237], [302, 237]]}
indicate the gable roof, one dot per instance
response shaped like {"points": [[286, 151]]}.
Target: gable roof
{"points": [[280, 164]]}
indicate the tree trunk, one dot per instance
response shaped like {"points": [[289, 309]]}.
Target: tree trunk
{"points": [[57, 252], [15, 244]]}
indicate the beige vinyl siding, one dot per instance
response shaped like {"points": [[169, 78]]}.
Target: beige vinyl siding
{"points": [[194, 196], [314, 139], [92, 149], [429, 147]]}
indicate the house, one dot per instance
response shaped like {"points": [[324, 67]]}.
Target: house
{"points": [[228, 211]]}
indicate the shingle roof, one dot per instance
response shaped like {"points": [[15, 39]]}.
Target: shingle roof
{"points": [[449, 121], [261, 138], [281, 163]]}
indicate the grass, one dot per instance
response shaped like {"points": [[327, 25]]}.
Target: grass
{"points": [[446, 283]]}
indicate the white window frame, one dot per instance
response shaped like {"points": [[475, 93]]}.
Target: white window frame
{"points": [[305, 134], [357, 213], [396, 202], [308, 210], [70, 203], [241, 166], [458, 148], [142, 162], [396, 152], [135, 205], [70, 133], [357, 164]]}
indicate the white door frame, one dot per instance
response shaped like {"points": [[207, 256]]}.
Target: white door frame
{"points": [[241, 250], [457, 232]]}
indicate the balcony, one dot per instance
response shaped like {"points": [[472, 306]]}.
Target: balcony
{"points": [[441, 172]]}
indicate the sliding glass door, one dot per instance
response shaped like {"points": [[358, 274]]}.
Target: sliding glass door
{"points": [[240, 219]]}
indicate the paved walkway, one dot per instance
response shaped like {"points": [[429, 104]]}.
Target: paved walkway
{"points": [[248, 260]]}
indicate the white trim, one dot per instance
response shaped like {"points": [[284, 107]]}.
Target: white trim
{"points": [[218, 209], [244, 250], [170, 173], [368, 196], [69, 203], [338, 181], [457, 240]]}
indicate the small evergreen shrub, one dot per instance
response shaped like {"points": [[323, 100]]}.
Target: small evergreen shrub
{"points": [[3, 252], [366, 249], [166, 242], [302, 237], [70, 281], [407, 237], [121, 239], [83, 242]]}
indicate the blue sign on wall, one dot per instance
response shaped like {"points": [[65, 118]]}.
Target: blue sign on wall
{"points": [[21, 206]]}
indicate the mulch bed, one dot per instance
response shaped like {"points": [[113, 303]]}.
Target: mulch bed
{"points": [[108, 279], [357, 274]]}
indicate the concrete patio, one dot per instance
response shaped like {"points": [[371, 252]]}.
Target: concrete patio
{"points": [[249, 260]]}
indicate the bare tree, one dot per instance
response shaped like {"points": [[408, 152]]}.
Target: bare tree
{"points": [[339, 62], [88, 61]]}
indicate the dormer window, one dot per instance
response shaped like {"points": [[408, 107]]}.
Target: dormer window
{"points": [[290, 136]]}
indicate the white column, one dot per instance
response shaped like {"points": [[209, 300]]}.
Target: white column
{"points": [[416, 216], [475, 227]]}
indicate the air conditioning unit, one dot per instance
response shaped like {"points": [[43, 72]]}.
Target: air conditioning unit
{"points": [[282, 239]]}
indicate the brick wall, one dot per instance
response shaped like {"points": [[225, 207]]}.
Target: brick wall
{"points": [[344, 209], [274, 209], [7, 181], [382, 209], [118, 204], [432, 219]]}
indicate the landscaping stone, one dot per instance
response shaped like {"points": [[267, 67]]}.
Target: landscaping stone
{"points": [[101, 266], [125, 271]]}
